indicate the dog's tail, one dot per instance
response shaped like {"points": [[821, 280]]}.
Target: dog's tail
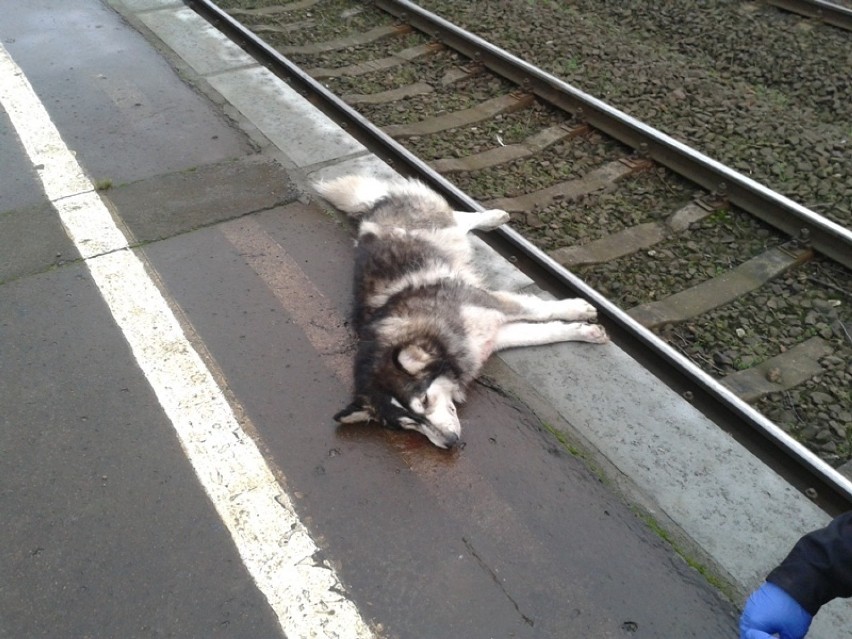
{"points": [[354, 194]]}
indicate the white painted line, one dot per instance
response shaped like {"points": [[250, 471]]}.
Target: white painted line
{"points": [[277, 549]]}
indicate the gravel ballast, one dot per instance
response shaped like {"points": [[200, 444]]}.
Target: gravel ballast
{"points": [[764, 91]]}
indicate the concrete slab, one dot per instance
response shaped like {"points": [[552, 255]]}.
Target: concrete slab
{"points": [[499, 274], [736, 513], [199, 197], [696, 473], [291, 123], [537, 549], [112, 91], [365, 163], [106, 531], [147, 5], [32, 240], [200, 44]]}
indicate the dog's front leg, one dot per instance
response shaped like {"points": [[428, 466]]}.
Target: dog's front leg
{"points": [[482, 220], [519, 306], [537, 333]]}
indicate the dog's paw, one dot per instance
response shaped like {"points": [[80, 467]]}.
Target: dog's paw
{"points": [[574, 310], [492, 218], [593, 333]]}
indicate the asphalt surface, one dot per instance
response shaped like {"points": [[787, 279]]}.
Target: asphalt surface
{"points": [[107, 531]]}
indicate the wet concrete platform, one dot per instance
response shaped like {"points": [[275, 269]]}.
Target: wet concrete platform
{"points": [[536, 527], [509, 536]]}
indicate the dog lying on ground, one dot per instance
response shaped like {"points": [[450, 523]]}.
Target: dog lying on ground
{"points": [[424, 320]]}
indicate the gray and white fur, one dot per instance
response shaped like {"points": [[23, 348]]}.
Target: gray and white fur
{"points": [[424, 320]]}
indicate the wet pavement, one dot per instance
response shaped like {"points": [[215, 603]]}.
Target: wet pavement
{"points": [[508, 536], [107, 530]]}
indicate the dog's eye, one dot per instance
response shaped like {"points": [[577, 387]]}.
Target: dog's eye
{"points": [[425, 401]]}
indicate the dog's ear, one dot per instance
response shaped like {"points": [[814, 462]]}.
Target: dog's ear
{"points": [[356, 413], [413, 359]]}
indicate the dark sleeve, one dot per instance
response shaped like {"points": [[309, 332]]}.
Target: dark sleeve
{"points": [[819, 568]]}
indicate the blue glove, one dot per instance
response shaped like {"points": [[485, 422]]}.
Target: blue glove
{"points": [[769, 611]]}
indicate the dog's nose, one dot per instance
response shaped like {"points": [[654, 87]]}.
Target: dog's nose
{"points": [[451, 440]]}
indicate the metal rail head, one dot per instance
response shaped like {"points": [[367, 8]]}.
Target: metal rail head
{"points": [[828, 12], [827, 237]]}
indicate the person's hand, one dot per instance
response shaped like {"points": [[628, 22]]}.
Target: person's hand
{"points": [[770, 611]]}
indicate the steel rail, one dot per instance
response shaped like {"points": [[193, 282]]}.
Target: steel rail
{"points": [[825, 236], [809, 473], [827, 12]]}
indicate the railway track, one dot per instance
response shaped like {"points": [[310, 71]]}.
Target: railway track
{"points": [[629, 210], [836, 14]]}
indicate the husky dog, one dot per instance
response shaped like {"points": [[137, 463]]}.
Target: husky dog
{"points": [[425, 322]]}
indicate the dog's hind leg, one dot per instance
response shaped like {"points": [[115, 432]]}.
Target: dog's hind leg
{"points": [[482, 220], [530, 307], [537, 333]]}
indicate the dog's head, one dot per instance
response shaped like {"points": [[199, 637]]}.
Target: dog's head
{"points": [[410, 388]]}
